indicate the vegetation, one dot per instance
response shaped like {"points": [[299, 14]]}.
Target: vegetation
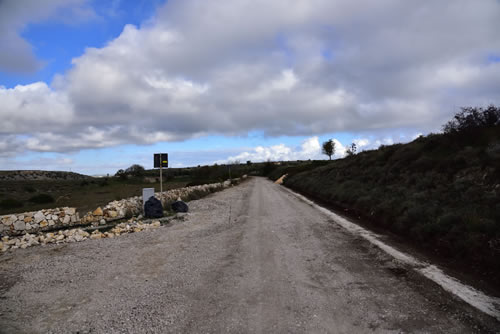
{"points": [[41, 199], [351, 150], [328, 148], [10, 203], [87, 193], [441, 191]]}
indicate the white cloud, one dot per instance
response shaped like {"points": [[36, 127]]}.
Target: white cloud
{"points": [[309, 149], [17, 54], [206, 67]]}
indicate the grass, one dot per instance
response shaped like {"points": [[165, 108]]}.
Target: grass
{"points": [[86, 195]]}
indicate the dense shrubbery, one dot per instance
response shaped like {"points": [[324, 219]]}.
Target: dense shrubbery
{"points": [[442, 190], [41, 199], [472, 118], [10, 203]]}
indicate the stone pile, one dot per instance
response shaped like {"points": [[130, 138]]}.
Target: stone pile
{"points": [[132, 206], [73, 235], [31, 223], [36, 221]]}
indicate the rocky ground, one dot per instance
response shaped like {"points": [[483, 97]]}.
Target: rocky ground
{"points": [[24, 175], [250, 259]]}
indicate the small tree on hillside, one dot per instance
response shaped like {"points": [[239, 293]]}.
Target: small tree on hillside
{"points": [[351, 150], [135, 170], [472, 118], [121, 174], [329, 148]]}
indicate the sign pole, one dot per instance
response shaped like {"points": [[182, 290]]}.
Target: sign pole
{"points": [[161, 176]]}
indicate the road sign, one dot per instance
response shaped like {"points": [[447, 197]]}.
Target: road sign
{"points": [[160, 160]]}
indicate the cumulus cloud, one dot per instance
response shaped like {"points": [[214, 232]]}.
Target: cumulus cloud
{"points": [[17, 54], [285, 68], [309, 149]]}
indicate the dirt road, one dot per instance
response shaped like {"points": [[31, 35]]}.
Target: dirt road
{"points": [[250, 259]]}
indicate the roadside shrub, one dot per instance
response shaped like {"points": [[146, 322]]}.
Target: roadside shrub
{"points": [[41, 199], [29, 189], [84, 183], [10, 203], [268, 168], [104, 182]]}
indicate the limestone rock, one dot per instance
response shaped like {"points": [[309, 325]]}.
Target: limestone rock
{"points": [[70, 211], [112, 214], [39, 217], [20, 225], [98, 212], [96, 235], [28, 219]]}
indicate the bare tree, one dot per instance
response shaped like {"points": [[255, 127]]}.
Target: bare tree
{"points": [[329, 148]]}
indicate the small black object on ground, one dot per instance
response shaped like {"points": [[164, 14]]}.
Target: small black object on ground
{"points": [[179, 206], [153, 208]]}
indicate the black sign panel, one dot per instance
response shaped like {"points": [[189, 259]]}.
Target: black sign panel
{"points": [[160, 159]]}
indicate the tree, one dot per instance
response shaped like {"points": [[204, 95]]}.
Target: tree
{"points": [[351, 150], [135, 170], [121, 174], [472, 118], [329, 148]]}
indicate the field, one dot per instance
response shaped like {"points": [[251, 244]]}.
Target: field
{"points": [[85, 195]]}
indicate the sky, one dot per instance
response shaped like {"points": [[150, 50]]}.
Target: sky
{"points": [[95, 86]]}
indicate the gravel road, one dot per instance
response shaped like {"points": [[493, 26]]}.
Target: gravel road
{"points": [[250, 259]]}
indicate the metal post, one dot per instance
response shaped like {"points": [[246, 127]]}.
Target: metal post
{"points": [[161, 176]]}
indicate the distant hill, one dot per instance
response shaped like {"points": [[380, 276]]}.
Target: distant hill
{"points": [[40, 175]]}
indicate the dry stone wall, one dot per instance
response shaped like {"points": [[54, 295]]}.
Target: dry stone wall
{"points": [[51, 219], [38, 221], [132, 206]]}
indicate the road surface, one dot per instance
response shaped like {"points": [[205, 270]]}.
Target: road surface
{"points": [[250, 259]]}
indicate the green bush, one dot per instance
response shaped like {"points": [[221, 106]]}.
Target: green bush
{"points": [[29, 189], [41, 199], [10, 203]]}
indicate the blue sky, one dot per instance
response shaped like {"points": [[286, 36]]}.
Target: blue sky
{"points": [[95, 86]]}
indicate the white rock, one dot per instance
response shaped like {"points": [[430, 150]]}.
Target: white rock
{"points": [[66, 219], [51, 222], [55, 217], [28, 226], [20, 225], [39, 216], [69, 211]]}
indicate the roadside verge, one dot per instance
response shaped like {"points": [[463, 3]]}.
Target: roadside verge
{"points": [[479, 300]]}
